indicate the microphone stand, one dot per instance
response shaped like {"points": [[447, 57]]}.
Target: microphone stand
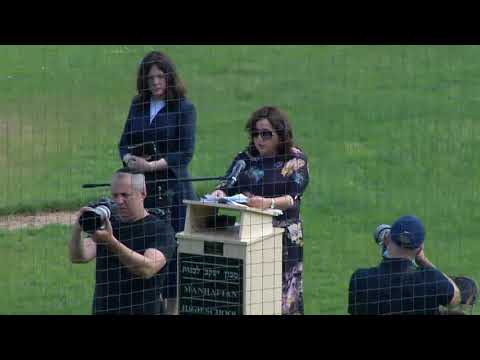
{"points": [[89, 186]]}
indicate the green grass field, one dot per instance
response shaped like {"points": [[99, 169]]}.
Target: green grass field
{"points": [[36, 276], [389, 130]]}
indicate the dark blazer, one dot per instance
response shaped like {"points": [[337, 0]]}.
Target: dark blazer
{"points": [[173, 130]]}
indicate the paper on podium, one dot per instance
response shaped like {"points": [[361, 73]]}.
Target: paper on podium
{"points": [[236, 200], [239, 200]]}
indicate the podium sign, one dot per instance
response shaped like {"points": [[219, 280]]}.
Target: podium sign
{"points": [[211, 285], [234, 270]]}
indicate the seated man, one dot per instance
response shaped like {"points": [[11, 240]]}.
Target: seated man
{"points": [[405, 282], [131, 252]]}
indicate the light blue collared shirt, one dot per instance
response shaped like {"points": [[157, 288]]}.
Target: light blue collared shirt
{"points": [[155, 107]]}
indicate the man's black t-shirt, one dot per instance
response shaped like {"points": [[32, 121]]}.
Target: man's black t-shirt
{"points": [[397, 286], [117, 289]]}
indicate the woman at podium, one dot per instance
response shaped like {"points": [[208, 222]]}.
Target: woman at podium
{"points": [[275, 176]]}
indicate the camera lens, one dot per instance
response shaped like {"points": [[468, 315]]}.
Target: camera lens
{"points": [[94, 218], [103, 211], [380, 232], [90, 221]]}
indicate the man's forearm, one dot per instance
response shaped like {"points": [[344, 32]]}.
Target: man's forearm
{"points": [[457, 297], [135, 262], [424, 263], [78, 248], [75, 246]]}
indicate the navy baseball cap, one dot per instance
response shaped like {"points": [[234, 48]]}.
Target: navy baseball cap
{"points": [[408, 232]]}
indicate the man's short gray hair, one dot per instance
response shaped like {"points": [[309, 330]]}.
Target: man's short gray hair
{"points": [[137, 180]]}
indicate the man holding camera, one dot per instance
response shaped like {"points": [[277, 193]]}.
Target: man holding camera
{"points": [[405, 282], [131, 250]]}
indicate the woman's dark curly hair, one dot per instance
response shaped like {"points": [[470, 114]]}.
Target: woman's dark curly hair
{"points": [[280, 123], [175, 88]]}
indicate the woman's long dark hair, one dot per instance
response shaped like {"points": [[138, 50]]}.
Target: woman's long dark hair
{"points": [[176, 90], [280, 123]]}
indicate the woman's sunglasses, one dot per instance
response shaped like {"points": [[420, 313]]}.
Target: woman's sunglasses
{"points": [[265, 134]]}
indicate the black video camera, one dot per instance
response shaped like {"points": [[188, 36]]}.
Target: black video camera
{"points": [[94, 218]]}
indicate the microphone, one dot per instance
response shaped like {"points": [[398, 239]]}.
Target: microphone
{"points": [[237, 169]]}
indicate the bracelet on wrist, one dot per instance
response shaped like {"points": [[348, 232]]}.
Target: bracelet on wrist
{"points": [[272, 206]]}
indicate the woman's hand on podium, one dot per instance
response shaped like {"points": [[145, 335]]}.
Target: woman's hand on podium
{"points": [[219, 194], [259, 202]]}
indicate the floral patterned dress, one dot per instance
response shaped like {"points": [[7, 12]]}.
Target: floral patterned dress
{"points": [[263, 176]]}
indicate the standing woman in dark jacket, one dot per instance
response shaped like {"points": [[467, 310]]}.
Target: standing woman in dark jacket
{"points": [[161, 114]]}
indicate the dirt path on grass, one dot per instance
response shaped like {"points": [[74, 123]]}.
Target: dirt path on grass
{"points": [[16, 222]]}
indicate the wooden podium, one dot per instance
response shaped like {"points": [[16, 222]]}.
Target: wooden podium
{"points": [[230, 270]]}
